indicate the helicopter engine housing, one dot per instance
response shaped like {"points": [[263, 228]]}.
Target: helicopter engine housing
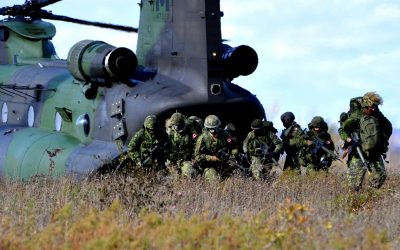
{"points": [[238, 61], [95, 61]]}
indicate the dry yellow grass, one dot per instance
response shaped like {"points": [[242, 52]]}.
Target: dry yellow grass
{"points": [[163, 212]]}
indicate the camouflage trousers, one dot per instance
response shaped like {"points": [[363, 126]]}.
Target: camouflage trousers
{"points": [[260, 170], [185, 168], [356, 173], [214, 170], [291, 162]]}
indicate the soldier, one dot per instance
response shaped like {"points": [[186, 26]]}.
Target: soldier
{"points": [[182, 144], [292, 129], [349, 121], [375, 130], [215, 150], [196, 124], [263, 148], [149, 146], [318, 151]]}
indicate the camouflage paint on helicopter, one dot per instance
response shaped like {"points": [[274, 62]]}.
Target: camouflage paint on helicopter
{"points": [[68, 116]]}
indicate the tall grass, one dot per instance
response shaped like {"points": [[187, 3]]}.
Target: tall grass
{"points": [[154, 211]]}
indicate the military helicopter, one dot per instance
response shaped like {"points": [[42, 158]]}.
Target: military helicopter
{"points": [[74, 116]]}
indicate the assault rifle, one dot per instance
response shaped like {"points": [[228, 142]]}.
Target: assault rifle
{"points": [[355, 143], [125, 161], [225, 157], [319, 144], [155, 150], [266, 155]]}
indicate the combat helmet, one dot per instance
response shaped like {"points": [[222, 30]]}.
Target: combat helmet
{"points": [[318, 122], [212, 122], [257, 124], [287, 118], [355, 104], [150, 122], [230, 127], [177, 121]]}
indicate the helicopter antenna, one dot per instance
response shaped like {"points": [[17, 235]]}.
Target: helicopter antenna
{"points": [[33, 9]]}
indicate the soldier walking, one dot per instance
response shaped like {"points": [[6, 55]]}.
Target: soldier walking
{"points": [[215, 150], [318, 151], [149, 146], [263, 147], [183, 139], [370, 146], [288, 135]]}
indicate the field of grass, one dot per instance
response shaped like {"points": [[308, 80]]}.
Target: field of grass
{"points": [[153, 211]]}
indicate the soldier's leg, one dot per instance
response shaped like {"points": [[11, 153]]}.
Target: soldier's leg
{"points": [[355, 174], [210, 174], [289, 164], [256, 168], [273, 171], [378, 173], [187, 169]]}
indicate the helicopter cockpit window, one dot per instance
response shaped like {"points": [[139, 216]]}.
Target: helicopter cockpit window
{"points": [[31, 116], [4, 113], [83, 121], [58, 122]]}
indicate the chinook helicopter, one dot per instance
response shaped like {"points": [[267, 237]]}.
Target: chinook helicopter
{"points": [[74, 116]]}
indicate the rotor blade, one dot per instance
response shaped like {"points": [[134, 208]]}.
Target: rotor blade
{"points": [[38, 4], [92, 23], [27, 9]]}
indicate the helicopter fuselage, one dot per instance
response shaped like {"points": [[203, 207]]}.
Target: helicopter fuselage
{"points": [[75, 116]]}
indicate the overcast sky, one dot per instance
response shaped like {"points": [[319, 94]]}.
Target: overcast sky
{"points": [[314, 55]]}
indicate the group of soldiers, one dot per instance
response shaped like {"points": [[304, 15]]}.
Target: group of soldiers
{"points": [[190, 147]]}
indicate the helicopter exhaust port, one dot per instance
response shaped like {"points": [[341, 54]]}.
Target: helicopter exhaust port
{"points": [[238, 61], [96, 61]]}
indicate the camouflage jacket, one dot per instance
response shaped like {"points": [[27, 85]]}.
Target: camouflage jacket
{"points": [[350, 125], [288, 137], [262, 145], [207, 146], [314, 153], [148, 146], [182, 145]]}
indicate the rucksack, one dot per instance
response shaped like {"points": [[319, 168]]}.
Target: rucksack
{"points": [[375, 132]]}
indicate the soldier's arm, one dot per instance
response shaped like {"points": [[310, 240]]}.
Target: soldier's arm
{"points": [[343, 134], [297, 139], [134, 145], [198, 154], [330, 144], [166, 143], [278, 144]]}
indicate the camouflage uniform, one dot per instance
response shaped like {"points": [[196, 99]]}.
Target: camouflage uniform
{"points": [[149, 146], [316, 142], [375, 131], [349, 121], [214, 150], [291, 131], [263, 147], [195, 124], [182, 144]]}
